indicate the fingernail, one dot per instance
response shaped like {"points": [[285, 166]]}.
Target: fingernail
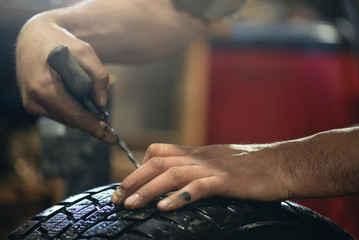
{"points": [[131, 200], [103, 97], [108, 136], [105, 127], [118, 194], [164, 204]]}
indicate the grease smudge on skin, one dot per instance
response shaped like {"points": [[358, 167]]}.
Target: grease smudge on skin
{"points": [[186, 196]]}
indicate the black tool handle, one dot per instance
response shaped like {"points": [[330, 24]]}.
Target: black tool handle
{"points": [[77, 81]]}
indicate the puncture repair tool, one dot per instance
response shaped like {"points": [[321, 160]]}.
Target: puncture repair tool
{"points": [[79, 84]]}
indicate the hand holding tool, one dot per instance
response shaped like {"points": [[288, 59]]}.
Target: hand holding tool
{"points": [[80, 85]]}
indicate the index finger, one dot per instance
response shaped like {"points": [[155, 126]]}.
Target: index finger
{"points": [[144, 174], [79, 84], [61, 106], [165, 150]]}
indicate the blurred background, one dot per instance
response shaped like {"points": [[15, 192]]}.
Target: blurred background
{"points": [[280, 70]]}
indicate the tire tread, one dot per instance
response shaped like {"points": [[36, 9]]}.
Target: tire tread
{"points": [[91, 215]]}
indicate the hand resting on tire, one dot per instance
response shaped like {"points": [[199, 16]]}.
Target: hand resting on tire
{"points": [[315, 166]]}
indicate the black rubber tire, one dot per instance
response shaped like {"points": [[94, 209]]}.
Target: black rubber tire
{"points": [[91, 215]]}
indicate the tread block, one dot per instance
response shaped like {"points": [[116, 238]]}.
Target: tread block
{"points": [[104, 194], [107, 229], [79, 206], [24, 229], [73, 199], [101, 213], [105, 201], [84, 211], [101, 188], [134, 237], [160, 229], [119, 214], [75, 230], [49, 212], [195, 222], [140, 214], [59, 228], [184, 219], [35, 235], [52, 222]]}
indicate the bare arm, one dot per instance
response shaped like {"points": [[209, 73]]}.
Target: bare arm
{"points": [[130, 31], [322, 165], [325, 164], [110, 30]]}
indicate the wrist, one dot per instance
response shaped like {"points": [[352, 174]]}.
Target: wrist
{"points": [[321, 165]]}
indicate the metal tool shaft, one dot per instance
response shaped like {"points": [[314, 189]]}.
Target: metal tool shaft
{"points": [[129, 153], [80, 85], [120, 143]]}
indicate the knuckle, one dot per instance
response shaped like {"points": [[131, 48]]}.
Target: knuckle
{"points": [[36, 89], [200, 154], [199, 185], [35, 93], [98, 133], [82, 120], [84, 49], [71, 119], [153, 149], [102, 76], [41, 88], [158, 149], [157, 163], [175, 173], [126, 184], [29, 106]]}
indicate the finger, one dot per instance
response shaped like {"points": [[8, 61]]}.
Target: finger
{"points": [[32, 107], [59, 105], [197, 189], [143, 175], [84, 120], [99, 129], [101, 85], [165, 150], [88, 59], [173, 178]]}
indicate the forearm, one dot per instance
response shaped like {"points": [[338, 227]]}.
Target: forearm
{"points": [[323, 165], [128, 31]]}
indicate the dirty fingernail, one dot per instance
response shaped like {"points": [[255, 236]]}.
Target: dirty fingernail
{"points": [[164, 204], [131, 200], [108, 134], [118, 195]]}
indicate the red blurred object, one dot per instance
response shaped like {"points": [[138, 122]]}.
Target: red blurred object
{"points": [[264, 95]]}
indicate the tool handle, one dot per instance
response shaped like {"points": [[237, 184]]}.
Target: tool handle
{"points": [[76, 80]]}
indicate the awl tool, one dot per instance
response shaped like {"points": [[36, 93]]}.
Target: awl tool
{"points": [[79, 84]]}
